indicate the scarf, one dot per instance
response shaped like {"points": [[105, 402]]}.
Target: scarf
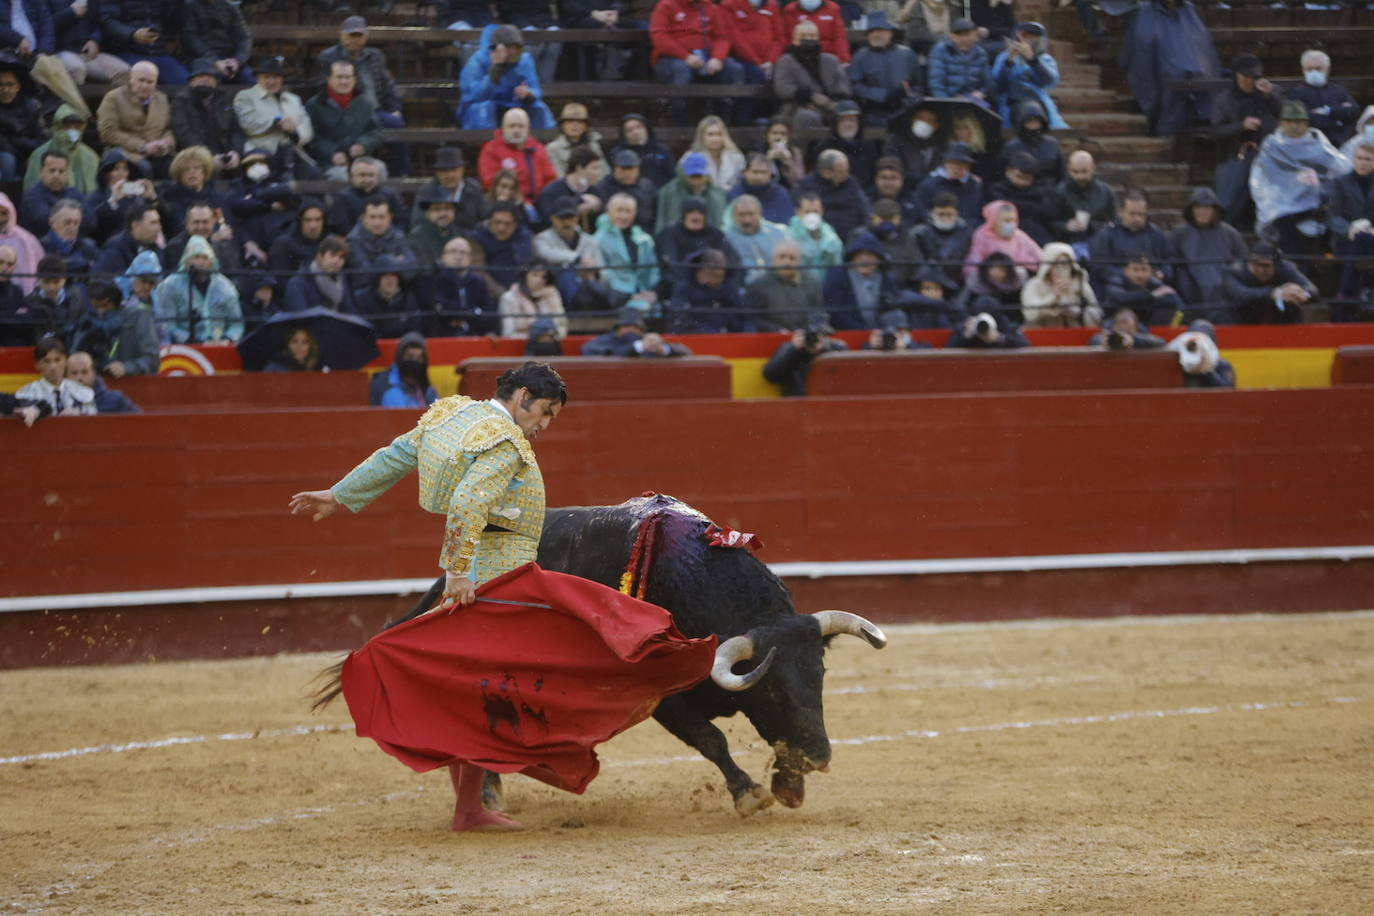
{"points": [[341, 100], [331, 287]]}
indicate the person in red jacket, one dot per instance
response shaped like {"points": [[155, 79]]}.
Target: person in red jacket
{"points": [[691, 43], [513, 148], [755, 32], [829, 20]]}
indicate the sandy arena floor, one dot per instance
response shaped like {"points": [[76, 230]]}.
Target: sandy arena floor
{"points": [[1176, 765]]}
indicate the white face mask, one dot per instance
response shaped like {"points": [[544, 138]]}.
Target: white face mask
{"points": [[73, 136], [1006, 230], [811, 221], [944, 225], [810, 5], [921, 129], [1369, 132], [257, 172], [1315, 78], [756, 3]]}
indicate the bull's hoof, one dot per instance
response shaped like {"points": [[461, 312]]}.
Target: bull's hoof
{"points": [[756, 799]]}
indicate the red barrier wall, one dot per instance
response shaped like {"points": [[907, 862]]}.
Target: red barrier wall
{"points": [[162, 501], [247, 391], [1353, 366], [592, 378], [946, 371]]}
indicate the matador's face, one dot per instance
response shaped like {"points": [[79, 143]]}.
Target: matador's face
{"points": [[533, 415]]}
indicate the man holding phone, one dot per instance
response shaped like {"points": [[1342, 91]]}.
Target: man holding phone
{"points": [[134, 30]]}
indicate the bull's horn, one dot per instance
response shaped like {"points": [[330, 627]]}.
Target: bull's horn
{"points": [[835, 622], [734, 650]]}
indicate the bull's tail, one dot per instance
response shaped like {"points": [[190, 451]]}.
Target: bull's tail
{"points": [[331, 686]]}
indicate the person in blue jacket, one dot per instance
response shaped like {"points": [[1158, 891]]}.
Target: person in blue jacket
{"points": [[1026, 70], [498, 77], [860, 290]]}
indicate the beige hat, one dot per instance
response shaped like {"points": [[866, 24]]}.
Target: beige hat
{"points": [[573, 111]]}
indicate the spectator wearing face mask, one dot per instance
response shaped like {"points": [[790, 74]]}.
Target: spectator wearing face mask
{"points": [[808, 81], [1364, 133], [406, 382], [203, 115], [1000, 232], [898, 247], [820, 244], [912, 141], [1032, 198], [829, 22], [1330, 109], [263, 206], [1034, 140]]}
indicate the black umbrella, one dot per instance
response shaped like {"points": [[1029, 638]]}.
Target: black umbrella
{"points": [[346, 341], [949, 109]]}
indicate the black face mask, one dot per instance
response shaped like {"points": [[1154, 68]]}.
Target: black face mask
{"points": [[201, 93], [808, 47], [414, 369]]}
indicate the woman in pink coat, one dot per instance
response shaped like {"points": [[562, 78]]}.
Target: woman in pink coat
{"points": [[1001, 232]]}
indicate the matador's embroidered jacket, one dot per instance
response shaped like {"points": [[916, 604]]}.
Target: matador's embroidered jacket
{"points": [[477, 468]]}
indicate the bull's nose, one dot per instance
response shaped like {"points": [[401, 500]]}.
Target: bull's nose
{"points": [[824, 768]]}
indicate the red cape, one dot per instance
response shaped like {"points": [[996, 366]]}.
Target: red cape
{"points": [[521, 689]]}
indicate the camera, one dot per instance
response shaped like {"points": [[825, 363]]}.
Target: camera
{"points": [[811, 339], [1191, 346], [1116, 341], [889, 340], [983, 327]]}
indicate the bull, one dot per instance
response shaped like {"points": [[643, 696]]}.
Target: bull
{"points": [[728, 593]]}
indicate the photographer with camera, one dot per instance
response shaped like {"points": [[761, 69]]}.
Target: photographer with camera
{"points": [[1123, 332], [985, 331], [790, 363], [894, 334], [1200, 359]]}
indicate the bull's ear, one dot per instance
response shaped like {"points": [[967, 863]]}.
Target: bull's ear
{"points": [[835, 623]]}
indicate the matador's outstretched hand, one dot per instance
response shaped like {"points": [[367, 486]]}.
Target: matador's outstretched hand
{"points": [[321, 502]]}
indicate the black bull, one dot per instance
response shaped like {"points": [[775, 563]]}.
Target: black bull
{"points": [[729, 593]]}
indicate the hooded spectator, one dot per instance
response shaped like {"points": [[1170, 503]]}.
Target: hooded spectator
{"points": [[857, 293], [1019, 186], [820, 243], [934, 304], [28, 252], [120, 185], [1204, 247], [1026, 71], [1001, 232], [677, 243], [139, 281], [1166, 41], [262, 205], [1244, 114], [897, 245], [122, 339], [1034, 139], [706, 300], [995, 288], [1364, 133], [406, 383], [384, 298], [1060, 294], [68, 127], [499, 78], [197, 303]]}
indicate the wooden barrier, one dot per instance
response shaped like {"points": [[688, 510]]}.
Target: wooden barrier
{"points": [[943, 371], [168, 501], [248, 391], [1353, 366], [593, 378]]}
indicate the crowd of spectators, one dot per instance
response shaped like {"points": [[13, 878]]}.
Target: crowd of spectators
{"points": [[881, 196]]}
